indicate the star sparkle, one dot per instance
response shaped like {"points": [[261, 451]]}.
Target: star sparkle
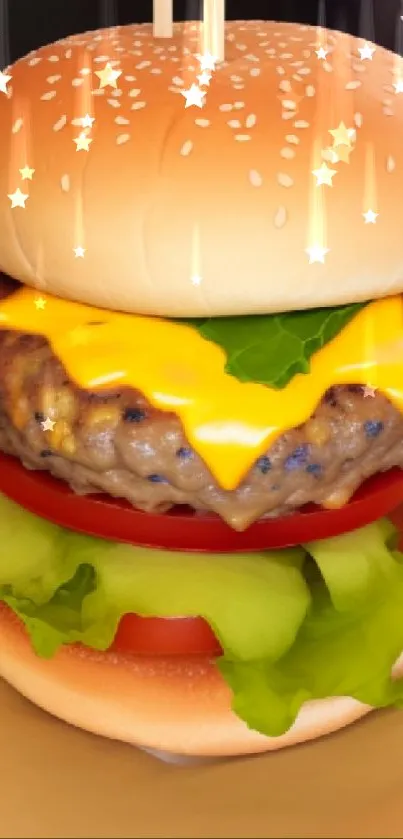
{"points": [[83, 142], [366, 52], [324, 175], [342, 136], [317, 253], [207, 61], [204, 79], [27, 173], [40, 303], [87, 121], [322, 53], [341, 154], [18, 199], [4, 80], [398, 86], [369, 392], [48, 424], [194, 96], [79, 252], [108, 76], [370, 217]]}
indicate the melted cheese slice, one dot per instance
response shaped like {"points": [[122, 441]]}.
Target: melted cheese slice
{"points": [[229, 423]]}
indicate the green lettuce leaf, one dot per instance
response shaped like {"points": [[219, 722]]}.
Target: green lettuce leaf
{"points": [[322, 620], [271, 349]]}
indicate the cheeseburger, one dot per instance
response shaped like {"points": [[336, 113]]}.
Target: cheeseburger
{"points": [[201, 384]]}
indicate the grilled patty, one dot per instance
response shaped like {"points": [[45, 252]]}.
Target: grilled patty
{"points": [[117, 443]]}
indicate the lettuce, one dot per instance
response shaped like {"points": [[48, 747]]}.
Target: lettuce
{"points": [[320, 620]]}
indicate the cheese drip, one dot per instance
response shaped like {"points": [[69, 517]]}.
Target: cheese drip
{"points": [[229, 423]]}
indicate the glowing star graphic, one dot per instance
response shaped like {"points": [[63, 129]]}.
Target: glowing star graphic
{"points": [[321, 53], [369, 392], [27, 173], [398, 86], [40, 303], [366, 52], [324, 175], [196, 279], [4, 80], [79, 252], [18, 199], [48, 424], [317, 253], [87, 121], [83, 142], [204, 79], [370, 217], [207, 61], [341, 135], [194, 96], [341, 154], [108, 76]]}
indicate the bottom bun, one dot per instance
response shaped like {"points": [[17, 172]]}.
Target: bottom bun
{"points": [[177, 705]]}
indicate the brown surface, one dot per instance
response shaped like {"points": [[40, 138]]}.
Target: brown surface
{"points": [[58, 782]]}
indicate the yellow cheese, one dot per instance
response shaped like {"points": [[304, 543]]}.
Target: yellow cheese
{"points": [[229, 423]]}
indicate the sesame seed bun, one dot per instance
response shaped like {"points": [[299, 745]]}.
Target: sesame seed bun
{"points": [[204, 211], [176, 705]]}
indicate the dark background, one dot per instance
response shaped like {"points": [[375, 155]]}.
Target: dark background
{"points": [[32, 23]]}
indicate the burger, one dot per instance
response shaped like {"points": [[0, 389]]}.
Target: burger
{"points": [[201, 384]]}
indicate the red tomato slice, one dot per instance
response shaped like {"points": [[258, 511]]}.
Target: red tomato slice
{"points": [[165, 636], [181, 529]]}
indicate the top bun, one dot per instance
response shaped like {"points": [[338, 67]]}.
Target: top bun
{"points": [[205, 211]]}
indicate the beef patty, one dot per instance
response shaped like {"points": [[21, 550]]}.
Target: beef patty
{"points": [[117, 443]]}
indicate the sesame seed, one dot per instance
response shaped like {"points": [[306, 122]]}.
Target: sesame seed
{"points": [[390, 164], [116, 93], [122, 120], [122, 138], [255, 71], [137, 106], [310, 91], [287, 153], [84, 72], [353, 85], [242, 138], [46, 97], [177, 81], [285, 86], [326, 66], [226, 107], [99, 58], [65, 183], [113, 103], [280, 217], [34, 61], [301, 123], [280, 71], [186, 148], [239, 105], [130, 78], [17, 125], [255, 177], [306, 53], [292, 138], [234, 123], [289, 104], [53, 79], [53, 58], [287, 114], [60, 123], [99, 91], [239, 86], [358, 120], [202, 123], [388, 112], [297, 77]]}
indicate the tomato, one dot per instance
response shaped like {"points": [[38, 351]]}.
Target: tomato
{"points": [[181, 529], [165, 636]]}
